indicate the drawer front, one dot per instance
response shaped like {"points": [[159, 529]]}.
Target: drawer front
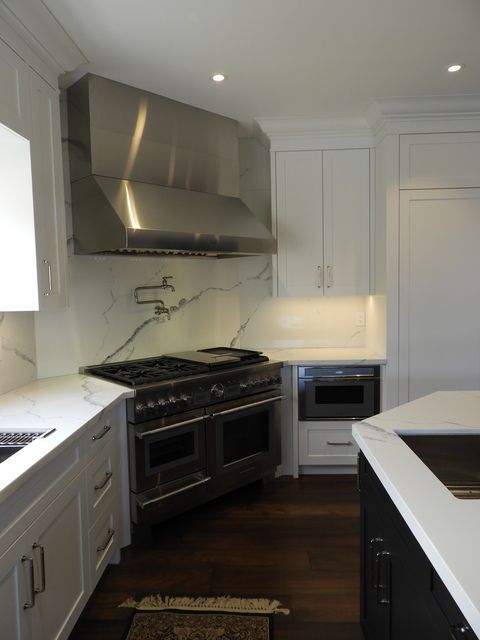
{"points": [[440, 160], [102, 482], [103, 540], [326, 445]]}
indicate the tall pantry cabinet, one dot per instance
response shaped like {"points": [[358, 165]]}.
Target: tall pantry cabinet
{"points": [[428, 215]]}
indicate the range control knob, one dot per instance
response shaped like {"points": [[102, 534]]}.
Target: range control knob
{"points": [[217, 390], [140, 407]]}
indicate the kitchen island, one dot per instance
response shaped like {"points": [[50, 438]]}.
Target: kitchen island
{"points": [[446, 528]]}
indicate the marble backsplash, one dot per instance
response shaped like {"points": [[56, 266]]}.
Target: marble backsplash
{"points": [[17, 350]]}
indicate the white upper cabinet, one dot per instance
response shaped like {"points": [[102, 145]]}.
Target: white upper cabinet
{"points": [[49, 202], [322, 222], [440, 160], [33, 244], [14, 103]]}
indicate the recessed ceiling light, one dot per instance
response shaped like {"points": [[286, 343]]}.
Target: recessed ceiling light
{"points": [[453, 68], [218, 77]]}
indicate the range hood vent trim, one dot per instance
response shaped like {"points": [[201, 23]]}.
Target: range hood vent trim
{"points": [[127, 207]]}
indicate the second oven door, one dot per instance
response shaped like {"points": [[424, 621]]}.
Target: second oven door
{"points": [[164, 450], [341, 398], [246, 436]]}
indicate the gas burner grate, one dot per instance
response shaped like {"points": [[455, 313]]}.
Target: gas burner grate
{"points": [[137, 372]]}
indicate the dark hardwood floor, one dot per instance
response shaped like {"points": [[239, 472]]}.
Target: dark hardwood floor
{"points": [[292, 540]]}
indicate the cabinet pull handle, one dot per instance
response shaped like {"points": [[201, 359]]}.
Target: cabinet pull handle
{"points": [[460, 631], [31, 603], [99, 487], [36, 545], [340, 444], [383, 572], [319, 277], [103, 432], [329, 276], [373, 565], [110, 534], [49, 276]]}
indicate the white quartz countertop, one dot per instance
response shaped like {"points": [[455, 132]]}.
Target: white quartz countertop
{"points": [[447, 528], [325, 356], [66, 403]]}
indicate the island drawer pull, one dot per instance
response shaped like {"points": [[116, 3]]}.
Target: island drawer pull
{"points": [[31, 603], [110, 534], [108, 476], [103, 433], [340, 444]]}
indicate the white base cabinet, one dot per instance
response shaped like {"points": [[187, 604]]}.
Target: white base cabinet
{"points": [[66, 536], [326, 442], [44, 586]]}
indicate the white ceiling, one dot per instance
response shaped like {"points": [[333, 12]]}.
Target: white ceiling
{"points": [[283, 58]]}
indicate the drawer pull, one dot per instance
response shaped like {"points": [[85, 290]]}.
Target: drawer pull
{"points": [[36, 545], [103, 432], [99, 487], [31, 602], [341, 444], [110, 534]]}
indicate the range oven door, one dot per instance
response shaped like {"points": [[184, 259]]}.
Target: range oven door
{"points": [[244, 436], [165, 450]]}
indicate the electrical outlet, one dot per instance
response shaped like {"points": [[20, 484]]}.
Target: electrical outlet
{"points": [[360, 319]]}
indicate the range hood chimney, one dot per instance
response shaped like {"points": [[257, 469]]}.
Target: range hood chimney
{"points": [[154, 176]]}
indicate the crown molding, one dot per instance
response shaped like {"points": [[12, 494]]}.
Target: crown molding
{"points": [[429, 114], [310, 133], [48, 45]]}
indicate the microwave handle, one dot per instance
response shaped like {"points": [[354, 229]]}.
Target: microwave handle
{"points": [[171, 426], [245, 406]]}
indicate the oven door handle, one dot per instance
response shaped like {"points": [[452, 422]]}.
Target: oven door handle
{"points": [[170, 426], [245, 406], [144, 504]]}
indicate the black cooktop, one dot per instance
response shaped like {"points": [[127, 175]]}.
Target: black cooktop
{"points": [[174, 365]]}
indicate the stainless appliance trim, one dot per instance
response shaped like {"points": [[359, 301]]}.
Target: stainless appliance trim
{"points": [[141, 435], [240, 407], [145, 503]]}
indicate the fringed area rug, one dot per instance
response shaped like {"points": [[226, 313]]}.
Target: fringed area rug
{"points": [[223, 618]]}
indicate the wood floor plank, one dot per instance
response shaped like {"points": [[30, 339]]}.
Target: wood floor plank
{"points": [[293, 540]]}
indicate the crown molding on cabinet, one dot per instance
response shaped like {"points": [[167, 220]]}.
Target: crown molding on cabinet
{"points": [[33, 32], [429, 114], [308, 133]]}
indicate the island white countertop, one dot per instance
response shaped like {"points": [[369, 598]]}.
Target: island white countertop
{"points": [[325, 356], [66, 403], [447, 528]]}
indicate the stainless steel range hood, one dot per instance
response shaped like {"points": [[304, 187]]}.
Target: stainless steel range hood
{"points": [[154, 176]]}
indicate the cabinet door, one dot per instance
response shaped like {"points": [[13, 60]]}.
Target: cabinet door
{"points": [[48, 193], [16, 592], [299, 225], [440, 160], [346, 212], [14, 100], [60, 577], [439, 340]]}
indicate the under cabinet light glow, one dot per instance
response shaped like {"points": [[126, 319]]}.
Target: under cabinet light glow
{"points": [[218, 77]]}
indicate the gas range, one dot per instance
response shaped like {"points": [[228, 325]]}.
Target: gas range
{"points": [[175, 382]]}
